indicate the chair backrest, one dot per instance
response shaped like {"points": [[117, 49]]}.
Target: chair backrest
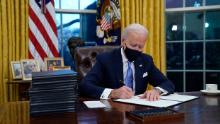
{"points": [[74, 42], [85, 57]]}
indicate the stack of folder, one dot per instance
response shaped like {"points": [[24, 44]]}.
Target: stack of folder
{"points": [[54, 91]]}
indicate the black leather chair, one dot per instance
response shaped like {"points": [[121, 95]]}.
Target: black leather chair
{"points": [[85, 57]]}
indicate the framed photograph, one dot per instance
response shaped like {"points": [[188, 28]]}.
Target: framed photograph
{"points": [[50, 62], [55, 68], [27, 67], [16, 70]]}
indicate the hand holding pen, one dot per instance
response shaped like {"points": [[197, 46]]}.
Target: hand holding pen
{"points": [[123, 92]]}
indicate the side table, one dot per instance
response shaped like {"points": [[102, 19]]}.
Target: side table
{"points": [[23, 88]]}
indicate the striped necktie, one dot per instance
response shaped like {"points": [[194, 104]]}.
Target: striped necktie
{"points": [[129, 76]]}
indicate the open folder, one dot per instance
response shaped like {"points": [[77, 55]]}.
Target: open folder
{"points": [[165, 101]]}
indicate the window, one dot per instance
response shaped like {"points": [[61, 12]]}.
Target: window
{"points": [[192, 43], [74, 18]]}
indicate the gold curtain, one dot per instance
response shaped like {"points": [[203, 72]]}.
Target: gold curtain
{"points": [[16, 113], [13, 40], [149, 13]]}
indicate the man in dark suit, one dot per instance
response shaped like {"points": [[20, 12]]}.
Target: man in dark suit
{"points": [[125, 72]]}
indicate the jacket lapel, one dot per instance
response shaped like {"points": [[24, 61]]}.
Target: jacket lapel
{"points": [[118, 66], [139, 68]]}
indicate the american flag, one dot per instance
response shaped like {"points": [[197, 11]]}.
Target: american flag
{"points": [[106, 21], [43, 41]]}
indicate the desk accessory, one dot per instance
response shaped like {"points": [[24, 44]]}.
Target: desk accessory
{"points": [[155, 114], [211, 89]]}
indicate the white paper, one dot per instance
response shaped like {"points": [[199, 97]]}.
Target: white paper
{"points": [[94, 104], [165, 101], [177, 97], [158, 103]]}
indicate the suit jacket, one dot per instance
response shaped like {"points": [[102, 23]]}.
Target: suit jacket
{"points": [[108, 73]]}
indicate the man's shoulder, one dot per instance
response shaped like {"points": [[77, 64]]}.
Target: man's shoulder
{"points": [[146, 56], [109, 55]]}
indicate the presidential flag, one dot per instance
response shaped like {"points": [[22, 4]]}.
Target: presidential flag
{"points": [[108, 19], [43, 41]]}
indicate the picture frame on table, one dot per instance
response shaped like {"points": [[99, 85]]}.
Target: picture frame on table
{"points": [[16, 69], [50, 62], [55, 68], [28, 66]]}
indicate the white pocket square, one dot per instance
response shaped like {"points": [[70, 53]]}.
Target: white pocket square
{"points": [[145, 74]]}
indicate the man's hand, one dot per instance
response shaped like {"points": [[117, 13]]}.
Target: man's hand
{"points": [[151, 95], [122, 92]]}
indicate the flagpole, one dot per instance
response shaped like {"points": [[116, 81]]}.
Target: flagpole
{"points": [[43, 6]]}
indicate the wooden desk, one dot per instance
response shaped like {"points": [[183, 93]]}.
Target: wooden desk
{"points": [[204, 110], [23, 87]]}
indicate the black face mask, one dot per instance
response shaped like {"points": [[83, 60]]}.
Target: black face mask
{"points": [[131, 54]]}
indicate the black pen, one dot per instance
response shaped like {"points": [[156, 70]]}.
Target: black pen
{"points": [[121, 84]]}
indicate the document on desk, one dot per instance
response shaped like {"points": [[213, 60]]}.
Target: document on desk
{"points": [[180, 98], [94, 104], [165, 101]]}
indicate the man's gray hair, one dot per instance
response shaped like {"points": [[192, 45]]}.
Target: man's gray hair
{"points": [[134, 28]]}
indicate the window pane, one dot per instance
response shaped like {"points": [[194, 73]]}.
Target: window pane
{"points": [[194, 81], [57, 4], [58, 23], [212, 25], [174, 3], [193, 3], [174, 56], [174, 26], [212, 2], [194, 26], [88, 27], [60, 44], [70, 27], [87, 4], [194, 55], [69, 4], [213, 78], [177, 79], [58, 19], [213, 55]]}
